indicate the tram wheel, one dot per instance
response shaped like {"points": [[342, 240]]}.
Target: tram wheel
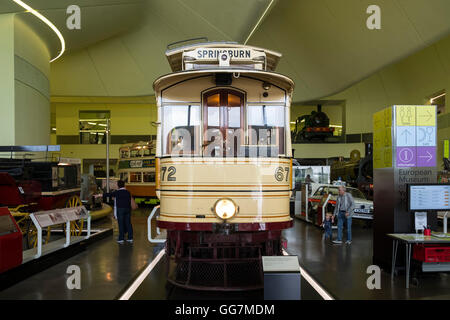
{"points": [[31, 235], [76, 227]]}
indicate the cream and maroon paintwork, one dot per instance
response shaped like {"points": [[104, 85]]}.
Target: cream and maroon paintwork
{"points": [[263, 201]]}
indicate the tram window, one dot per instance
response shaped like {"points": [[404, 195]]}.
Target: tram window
{"points": [[146, 152], [134, 153], [149, 177], [135, 177], [181, 129], [266, 127], [124, 154], [124, 176], [61, 176]]}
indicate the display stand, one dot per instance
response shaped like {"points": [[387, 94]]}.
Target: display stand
{"points": [[282, 278], [50, 218]]}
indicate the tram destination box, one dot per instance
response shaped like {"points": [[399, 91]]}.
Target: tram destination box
{"points": [[282, 278]]}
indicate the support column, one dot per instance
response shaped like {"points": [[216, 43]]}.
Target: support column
{"points": [[7, 130], [24, 84]]}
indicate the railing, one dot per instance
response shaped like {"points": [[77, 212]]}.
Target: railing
{"points": [[149, 227]]}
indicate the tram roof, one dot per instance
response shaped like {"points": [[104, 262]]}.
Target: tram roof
{"points": [[175, 56], [277, 79]]}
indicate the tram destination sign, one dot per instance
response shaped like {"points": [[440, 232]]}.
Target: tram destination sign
{"points": [[213, 54]]}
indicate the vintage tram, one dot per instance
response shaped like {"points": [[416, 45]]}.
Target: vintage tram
{"points": [[223, 163], [137, 169]]}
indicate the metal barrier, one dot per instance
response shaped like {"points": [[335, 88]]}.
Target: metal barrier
{"points": [[149, 227]]}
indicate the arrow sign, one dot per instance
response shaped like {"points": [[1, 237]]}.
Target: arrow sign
{"points": [[428, 116], [426, 156], [406, 136], [429, 156]]}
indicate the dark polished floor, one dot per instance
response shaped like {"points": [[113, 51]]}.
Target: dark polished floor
{"points": [[106, 268], [341, 269]]}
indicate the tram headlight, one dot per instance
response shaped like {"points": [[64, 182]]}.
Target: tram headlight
{"points": [[225, 208]]}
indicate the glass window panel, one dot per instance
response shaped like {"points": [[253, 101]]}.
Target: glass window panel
{"points": [[234, 101], [234, 117], [180, 128], [266, 126], [149, 177], [213, 116], [213, 100], [135, 177]]}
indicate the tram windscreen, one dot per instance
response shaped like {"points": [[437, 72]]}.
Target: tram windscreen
{"points": [[266, 125], [180, 130]]}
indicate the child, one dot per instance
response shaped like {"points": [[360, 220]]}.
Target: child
{"points": [[327, 225]]}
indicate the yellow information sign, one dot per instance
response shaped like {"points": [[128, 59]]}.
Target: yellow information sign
{"points": [[406, 116], [426, 116], [382, 139]]}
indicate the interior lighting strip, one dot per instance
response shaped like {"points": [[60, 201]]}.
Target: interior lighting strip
{"points": [[259, 21], [48, 23]]}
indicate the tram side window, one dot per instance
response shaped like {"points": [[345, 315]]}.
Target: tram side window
{"points": [[134, 153], [266, 128], [124, 176], [180, 129], [135, 177], [149, 177], [124, 154], [147, 152]]}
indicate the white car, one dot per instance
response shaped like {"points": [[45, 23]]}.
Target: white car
{"points": [[363, 207]]}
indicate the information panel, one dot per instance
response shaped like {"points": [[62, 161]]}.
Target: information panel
{"points": [[429, 197], [60, 216]]}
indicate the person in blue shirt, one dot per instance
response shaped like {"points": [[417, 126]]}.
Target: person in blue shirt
{"points": [[122, 211]]}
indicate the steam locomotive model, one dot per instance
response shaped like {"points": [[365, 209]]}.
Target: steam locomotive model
{"points": [[223, 163], [312, 126], [356, 172]]}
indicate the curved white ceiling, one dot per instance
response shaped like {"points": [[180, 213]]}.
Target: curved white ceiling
{"points": [[325, 43]]}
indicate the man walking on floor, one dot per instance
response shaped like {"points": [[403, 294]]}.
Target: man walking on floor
{"points": [[122, 211], [344, 212]]}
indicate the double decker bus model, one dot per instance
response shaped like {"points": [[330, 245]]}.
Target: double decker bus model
{"points": [[137, 170], [223, 163]]}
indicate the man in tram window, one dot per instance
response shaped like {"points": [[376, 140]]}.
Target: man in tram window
{"points": [[344, 212], [122, 211]]}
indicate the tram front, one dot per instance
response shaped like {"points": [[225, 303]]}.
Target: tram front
{"points": [[223, 163]]}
